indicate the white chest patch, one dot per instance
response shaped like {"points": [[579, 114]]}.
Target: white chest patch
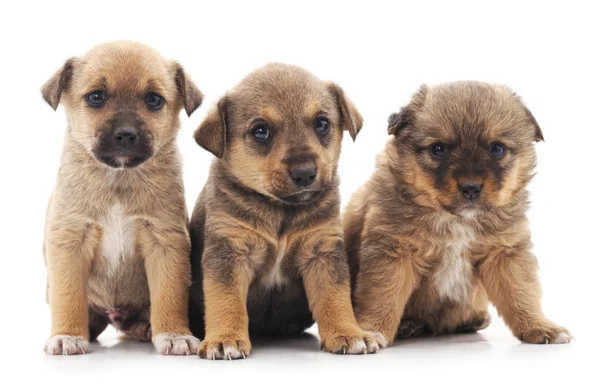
{"points": [[452, 278], [274, 277], [118, 242]]}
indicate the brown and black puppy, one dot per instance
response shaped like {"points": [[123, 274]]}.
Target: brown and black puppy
{"points": [[116, 239], [441, 226], [266, 232]]}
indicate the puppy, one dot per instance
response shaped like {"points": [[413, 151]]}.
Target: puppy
{"points": [[266, 232], [441, 226], [116, 239]]}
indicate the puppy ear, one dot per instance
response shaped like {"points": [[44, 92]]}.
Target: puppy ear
{"points": [[211, 135], [538, 135], [351, 119], [406, 116], [53, 88], [192, 97]]}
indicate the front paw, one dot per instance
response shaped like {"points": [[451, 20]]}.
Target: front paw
{"points": [[354, 341], [224, 347], [66, 345], [545, 333], [175, 344]]}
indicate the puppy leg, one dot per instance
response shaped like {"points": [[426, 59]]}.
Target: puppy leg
{"points": [[166, 255], [510, 279], [70, 252], [226, 282], [384, 284], [327, 282]]}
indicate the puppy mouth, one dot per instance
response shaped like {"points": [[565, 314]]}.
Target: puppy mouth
{"points": [[468, 210], [122, 160], [301, 197]]}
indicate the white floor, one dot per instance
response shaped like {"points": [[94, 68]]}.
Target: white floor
{"points": [[492, 358]]}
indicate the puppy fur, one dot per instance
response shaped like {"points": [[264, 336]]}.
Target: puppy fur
{"points": [[267, 254], [419, 250], [116, 238]]}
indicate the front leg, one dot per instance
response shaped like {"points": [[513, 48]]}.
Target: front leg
{"points": [[384, 284], [326, 279], [166, 253], [511, 282], [69, 255], [227, 276]]}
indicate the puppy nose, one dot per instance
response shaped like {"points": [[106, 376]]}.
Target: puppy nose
{"points": [[470, 191], [303, 175], [125, 136]]}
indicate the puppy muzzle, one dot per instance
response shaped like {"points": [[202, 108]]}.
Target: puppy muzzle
{"points": [[124, 147]]}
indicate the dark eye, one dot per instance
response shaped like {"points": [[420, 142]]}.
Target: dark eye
{"points": [[438, 150], [261, 133], [322, 126], [96, 99], [497, 150], [154, 101]]}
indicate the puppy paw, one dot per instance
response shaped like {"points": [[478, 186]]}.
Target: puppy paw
{"points": [[353, 342], [140, 331], [379, 339], [546, 333], [478, 321], [66, 345], [224, 347], [410, 328], [175, 344]]}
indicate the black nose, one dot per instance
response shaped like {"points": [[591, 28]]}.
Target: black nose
{"points": [[303, 175], [470, 191], [125, 136]]}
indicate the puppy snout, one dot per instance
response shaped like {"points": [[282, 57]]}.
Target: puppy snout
{"points": [[126, 136], [470, 191], [303, 175]]}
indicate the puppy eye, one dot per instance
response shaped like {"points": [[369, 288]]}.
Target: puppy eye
{"points": [[96, 99], [154, 101], [261, 133], [438, 150], [497, 150], [322, 126]]}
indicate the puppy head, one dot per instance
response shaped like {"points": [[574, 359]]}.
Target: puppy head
{"points": [[466, 147], [279, 132], [122, 101]]}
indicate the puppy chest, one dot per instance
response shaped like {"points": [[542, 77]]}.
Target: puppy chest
{"points": [[118, 241], [452, 277], [274, 274]]}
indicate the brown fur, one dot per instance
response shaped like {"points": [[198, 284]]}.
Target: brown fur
{"points": [[86, 288], [271, 257], [421, 252]]}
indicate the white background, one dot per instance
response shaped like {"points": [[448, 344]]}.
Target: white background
{"points": [[379, 53]]}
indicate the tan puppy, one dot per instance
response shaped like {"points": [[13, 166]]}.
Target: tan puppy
{"points": [[116, 237], [442, 223], [266, 232]]}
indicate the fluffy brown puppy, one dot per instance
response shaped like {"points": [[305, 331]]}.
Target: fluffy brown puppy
{"points": [[441, 226], [116, 239], [266, 232]]}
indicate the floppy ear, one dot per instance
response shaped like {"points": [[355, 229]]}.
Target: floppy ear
{"points": [[192, 97], [351, 119], [53, 88], [211, 134], [406, 116], [538, 135]]}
